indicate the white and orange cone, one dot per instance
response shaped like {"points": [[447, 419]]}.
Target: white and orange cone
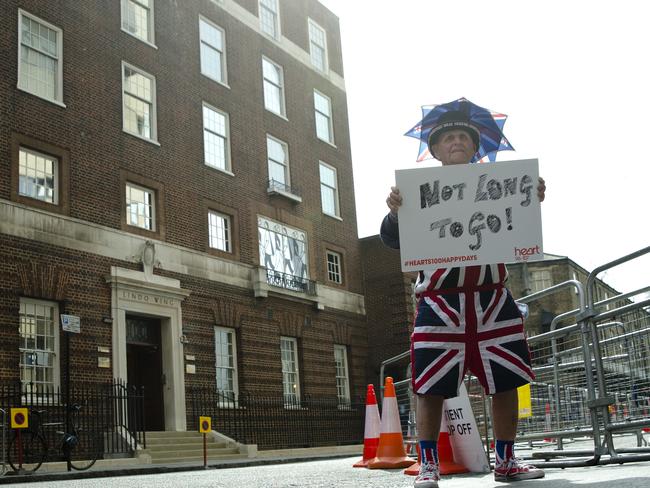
{"points": [[390, 451], [371, 429]]}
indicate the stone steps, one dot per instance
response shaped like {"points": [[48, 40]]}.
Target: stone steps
{"points": [[179, 447]]}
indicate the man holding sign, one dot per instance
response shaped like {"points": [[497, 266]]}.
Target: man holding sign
{"points": [[466, 319]]}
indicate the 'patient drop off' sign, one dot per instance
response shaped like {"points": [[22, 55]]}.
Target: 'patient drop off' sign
{"points": [[469, 214]]}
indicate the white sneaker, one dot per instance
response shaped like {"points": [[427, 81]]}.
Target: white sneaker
{"points": [[428, 476], [515, 470]]}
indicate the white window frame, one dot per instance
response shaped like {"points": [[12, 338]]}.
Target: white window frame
{"points": [[315, 45], [222, 52], [291, 399], [227, 226], [277, 88], [539, 278], [56, 374], [275, 14], [233, 368], [335, 190], [58, 76], [285, 163], [333, 273], [55, 174], [342, 380], [153, 205], [227, 156], [328, 116], [152, 113], [151, 34]]}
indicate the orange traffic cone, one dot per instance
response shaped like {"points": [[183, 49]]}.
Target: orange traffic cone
{"points": [[414, 469], [446, 456], [390, 451], [371, 429]]}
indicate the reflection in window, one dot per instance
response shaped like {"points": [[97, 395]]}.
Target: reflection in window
{"points": [[37, 176], [38, 345]]}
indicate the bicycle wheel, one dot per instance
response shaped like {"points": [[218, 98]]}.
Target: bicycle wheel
{"points": [[34, 450], [84, 447]]}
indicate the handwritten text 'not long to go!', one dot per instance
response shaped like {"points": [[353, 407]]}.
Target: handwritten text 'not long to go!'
{"points": [[486, 190]]}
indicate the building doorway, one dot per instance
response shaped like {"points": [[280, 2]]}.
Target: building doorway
{"points": [[144, 367]]}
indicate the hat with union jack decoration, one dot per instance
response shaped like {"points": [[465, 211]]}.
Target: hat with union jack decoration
{"points": [[453, 120]]}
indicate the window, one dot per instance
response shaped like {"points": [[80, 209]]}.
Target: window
{"points": [[278, 160], [290, 374], [342, 380], [323, 109], [139, 102], [269, 18], [540, 280], [216, 134], [225, 352], [213, 51], [283, 250], [334, 261], [273, 80], [317, 46], [38, 176], [39, 345], [137, 19], [40, 58], [140, 208], [219, 227], [329, 192]]}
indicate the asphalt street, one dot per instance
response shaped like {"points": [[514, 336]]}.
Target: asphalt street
{"points": [[339, 473]]}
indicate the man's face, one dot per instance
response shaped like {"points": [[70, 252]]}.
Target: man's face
{"points": [[454, 147]]}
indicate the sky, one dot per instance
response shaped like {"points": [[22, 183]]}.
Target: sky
{"points": [[572, 76]]}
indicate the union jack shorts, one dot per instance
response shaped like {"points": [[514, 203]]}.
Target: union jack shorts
{"points": [[479, 330]]}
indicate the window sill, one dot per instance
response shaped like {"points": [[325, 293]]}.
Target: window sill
{"points": [[51, 100], [282, 116], [220, 170], [222, 83], [287, 195], [329, 143], [150, 141], [335, 217], [148, 43]]}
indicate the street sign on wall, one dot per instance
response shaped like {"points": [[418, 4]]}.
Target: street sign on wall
{"points": [[71, 323]]}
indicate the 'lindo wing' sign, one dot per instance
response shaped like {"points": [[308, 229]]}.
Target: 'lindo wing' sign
{"points": [[469, 214]]}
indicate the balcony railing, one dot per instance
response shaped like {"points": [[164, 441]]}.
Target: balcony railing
{"points": [[279, 188], [290, 282]]}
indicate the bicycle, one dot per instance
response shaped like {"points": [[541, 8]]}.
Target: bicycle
{"points": [[80, 447]]}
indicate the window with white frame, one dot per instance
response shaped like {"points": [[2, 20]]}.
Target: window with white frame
{"points": [[323, 112], [40, 57], [278, 160], [140, 207], [213, 51], [39, 345], [269, 18], [329, 192], [219, 227], [137, 19], [273, 80], [216, 138], [225, 351], [540, 280], [342, 378], [317, 46], [290, 373], [139, 102], [38, 176], [283, 251], [334, 265]]}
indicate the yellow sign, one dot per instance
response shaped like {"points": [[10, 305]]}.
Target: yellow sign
{"points": [[525, 405], [19, 418], [205, 424]]}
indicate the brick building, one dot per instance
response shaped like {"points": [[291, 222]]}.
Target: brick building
{"points": [[178, 176]]}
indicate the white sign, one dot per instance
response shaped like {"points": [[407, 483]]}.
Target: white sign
{"points": [[469, 214], [458, 419], [71, 323]]}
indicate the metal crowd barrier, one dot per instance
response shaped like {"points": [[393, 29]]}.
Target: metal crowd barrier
{"points": [[592, 384]]}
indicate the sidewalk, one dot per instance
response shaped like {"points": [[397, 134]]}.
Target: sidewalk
{"points": [[130, 467]]}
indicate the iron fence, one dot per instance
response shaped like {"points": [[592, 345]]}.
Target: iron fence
{"points": [[276, 422], [112, 411]]}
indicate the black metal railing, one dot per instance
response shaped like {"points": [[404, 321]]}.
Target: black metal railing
{"points": [[290, 282], [275, 185], [114, 412], [277, 422]]}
